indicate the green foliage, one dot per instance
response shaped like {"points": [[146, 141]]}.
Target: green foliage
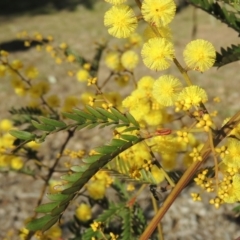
{"points": [[23, 135], [26, 111], [80, 178], [120, 169], [220, 12], [229, 55]]}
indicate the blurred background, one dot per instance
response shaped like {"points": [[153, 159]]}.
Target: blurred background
{"points": [[79, 23]]}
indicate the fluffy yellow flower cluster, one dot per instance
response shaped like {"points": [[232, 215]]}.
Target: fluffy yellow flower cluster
{"points": [[142, 105], [97, 186]]}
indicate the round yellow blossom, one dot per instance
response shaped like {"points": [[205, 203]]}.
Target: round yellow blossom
{"points": [[130, 187], [129, 59], [157, 53], [16, 64], [33, 145], [232, 158], [71, 58], [163, 31], [145, 83], [7, 140], [112, 60], [63, 46], [49, 48], [83, 75], [153, 118], [16, 163], [165, 143], [5, 125], [104, 177], [53, 101], [55, 186], [159, 13], [19, 86], [190, 96], [31, 72], [137, 107], [115, 2], [58, 60], [38, 36], [54, 233], [199, 55], [96, 189], [83, 212], [39, 89], [157, 173], [121, 21], [69, 103], [166, 89]]}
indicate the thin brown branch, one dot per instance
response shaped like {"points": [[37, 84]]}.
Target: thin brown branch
{"points": [[189, 174]]}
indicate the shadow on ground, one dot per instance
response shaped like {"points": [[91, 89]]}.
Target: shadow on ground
{"points": [[39, 7]]}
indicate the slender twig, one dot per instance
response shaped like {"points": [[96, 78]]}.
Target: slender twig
{"points": [[159, 226]]}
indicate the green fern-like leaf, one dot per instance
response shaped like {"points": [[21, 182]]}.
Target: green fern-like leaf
{"points": [[26, 111], [121, 169], [220, 12], [77, 181], [229, 55], [111, 212], [127, 227]]}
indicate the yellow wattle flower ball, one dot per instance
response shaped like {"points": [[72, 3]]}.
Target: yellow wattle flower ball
{"points": [[83, 212], [69, 103], [16, 163], [129, 60], [112, 60], [157, 173], [53, 101], [191, 96], [83, 75], [153, 118], [165, 90], [157, 53], [121, 21], [54, 233], [5, 125], [96, 189], [16, 64], [39, 89], [158, 12], [199, 55], [31, 72]]}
